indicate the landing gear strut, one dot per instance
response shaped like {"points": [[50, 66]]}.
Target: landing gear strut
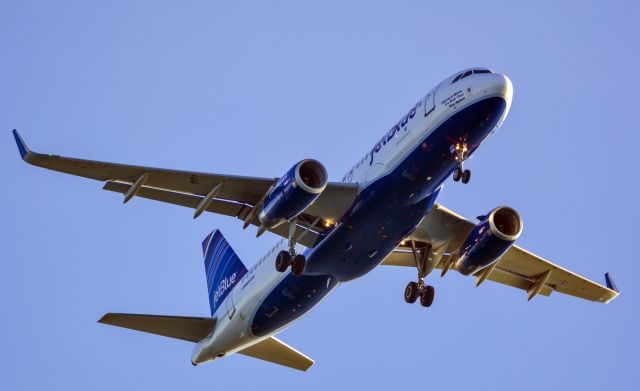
{"points": [[420, 289], [298, 262], [461, 152]]}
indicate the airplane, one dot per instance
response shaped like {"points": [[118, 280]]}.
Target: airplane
{"points": [[382, 212]]}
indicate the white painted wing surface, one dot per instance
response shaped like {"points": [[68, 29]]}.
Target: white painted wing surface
{"points": [[518, 268], [236, 196]]}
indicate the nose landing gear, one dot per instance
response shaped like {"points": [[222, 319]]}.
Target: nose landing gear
{"points": [[462, 153]]}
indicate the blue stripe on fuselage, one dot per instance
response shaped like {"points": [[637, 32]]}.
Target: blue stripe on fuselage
{"points": [[384, 213]]}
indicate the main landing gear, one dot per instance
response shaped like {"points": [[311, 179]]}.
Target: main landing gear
{"points": [[461, 151], [298, 262], [419, 289], [426, 293]]}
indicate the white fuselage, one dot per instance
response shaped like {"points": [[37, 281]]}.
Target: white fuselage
{"points": [[233, 329]]}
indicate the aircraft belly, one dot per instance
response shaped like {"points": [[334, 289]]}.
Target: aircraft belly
{"points": [[289, 300], [391, 207], [385, 212]]}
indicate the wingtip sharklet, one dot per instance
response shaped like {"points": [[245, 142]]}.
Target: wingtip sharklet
{"points": [[22, 146], [610, 283]]}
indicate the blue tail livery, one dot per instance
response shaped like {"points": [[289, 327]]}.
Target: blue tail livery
{"points": [[223, 267]]}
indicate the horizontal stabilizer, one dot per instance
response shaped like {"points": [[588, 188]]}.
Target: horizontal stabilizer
{"points": [[180, 327], [278, 352]]}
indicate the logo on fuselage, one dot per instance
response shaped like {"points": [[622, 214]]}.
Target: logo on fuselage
{"points": [[402, 124], [225, 284]]}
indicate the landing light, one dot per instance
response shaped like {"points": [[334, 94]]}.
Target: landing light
{"points": [[328, 223]]}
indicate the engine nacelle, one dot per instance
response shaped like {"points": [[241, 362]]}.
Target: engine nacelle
{"points": [[293, 193], [489, 240]]}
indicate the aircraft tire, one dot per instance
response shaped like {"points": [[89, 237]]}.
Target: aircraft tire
{"points": [[283, 260], [427, 296], [298, 265], [457, 174], [411, 292], [466, 176]]}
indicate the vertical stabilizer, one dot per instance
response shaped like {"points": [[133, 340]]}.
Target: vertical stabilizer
{"points": [[223, 267]]}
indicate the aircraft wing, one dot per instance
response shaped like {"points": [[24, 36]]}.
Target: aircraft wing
{"points": [[445, 231], [236, 196]]}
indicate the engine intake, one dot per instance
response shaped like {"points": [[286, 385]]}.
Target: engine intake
{"points": [[489, 240], [294, 192]]}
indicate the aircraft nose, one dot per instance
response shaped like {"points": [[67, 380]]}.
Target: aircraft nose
{"points": [[507, 89], [501, 85]]}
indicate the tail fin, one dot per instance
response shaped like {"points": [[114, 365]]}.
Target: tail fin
{"points": [[223, 267]]}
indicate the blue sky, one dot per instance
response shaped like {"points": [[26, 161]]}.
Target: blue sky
{"points": [[251, 88]]}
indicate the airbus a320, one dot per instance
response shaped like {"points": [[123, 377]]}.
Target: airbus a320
{"points": [[382, 212]]}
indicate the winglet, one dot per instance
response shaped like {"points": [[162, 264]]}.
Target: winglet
{"points": [[610, 284], [22, 146]]}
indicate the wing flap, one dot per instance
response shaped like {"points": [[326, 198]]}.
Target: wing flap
{"points": [[248, 189], [186, 328], [278, 352], [527, 264], [404, 258], [517, 281], [305, 234], [228, 208]]}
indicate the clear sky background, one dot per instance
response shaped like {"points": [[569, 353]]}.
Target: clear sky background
{"points": [[251, 88]]}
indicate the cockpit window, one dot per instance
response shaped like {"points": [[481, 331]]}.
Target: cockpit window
{"points": [[467, 73]]}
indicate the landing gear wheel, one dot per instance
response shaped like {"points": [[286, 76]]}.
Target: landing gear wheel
{"points": [[411, 292], [427, 295], [457, 174], [466, 175], [283, 260], [298, 265]]}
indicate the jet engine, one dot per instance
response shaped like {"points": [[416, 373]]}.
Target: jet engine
{"points": [[489, 240], [293, 193]]}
